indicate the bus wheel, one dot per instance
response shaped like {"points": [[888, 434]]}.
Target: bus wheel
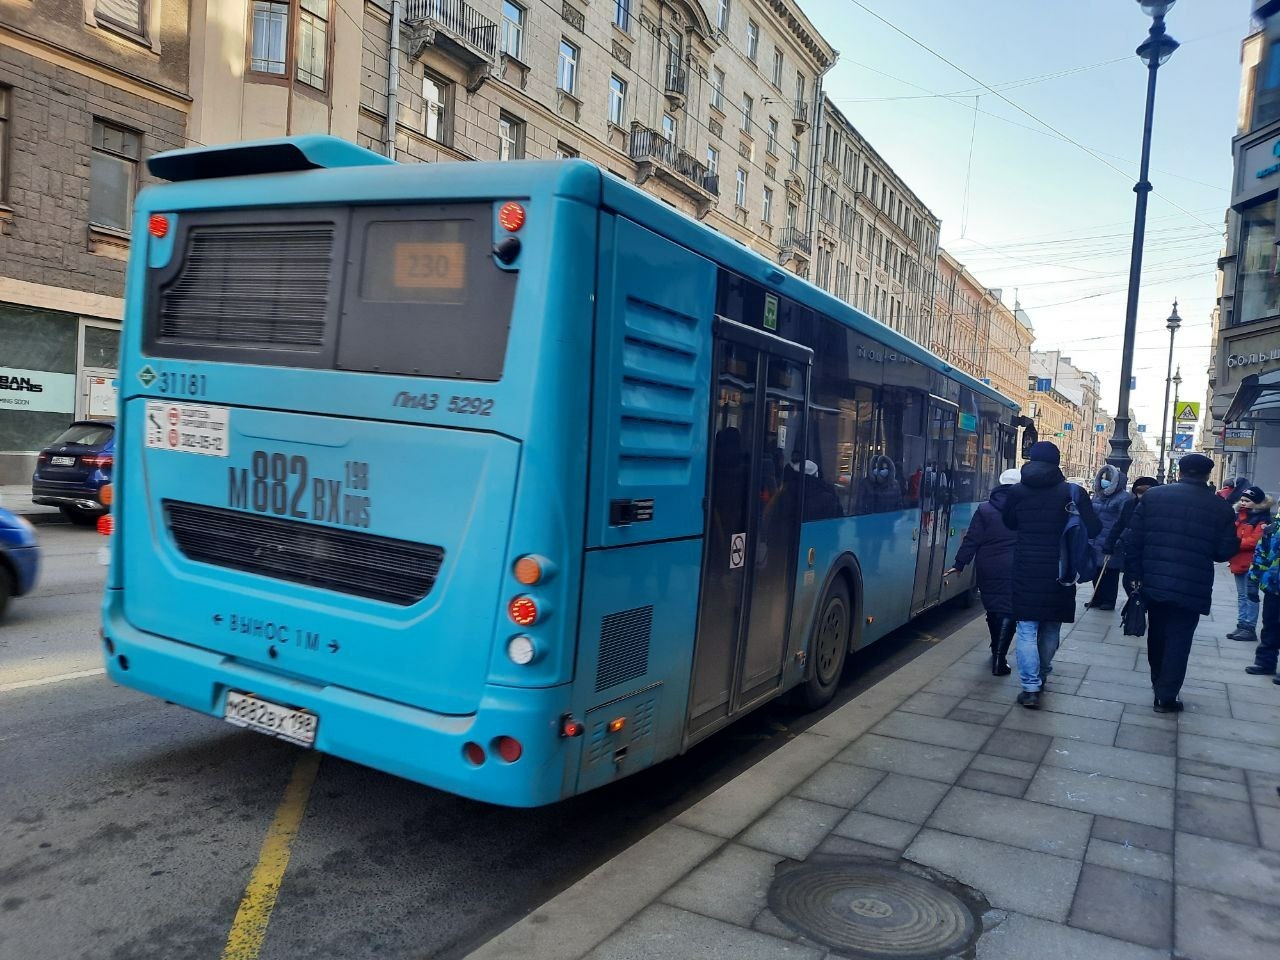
{"points": [[829, 646]]}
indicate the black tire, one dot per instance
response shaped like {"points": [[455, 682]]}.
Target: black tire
{"points": [[828, 646], [81, 518], [7, 588]]}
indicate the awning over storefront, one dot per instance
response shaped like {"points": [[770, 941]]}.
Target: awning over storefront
{"points": [[1257, 398]]}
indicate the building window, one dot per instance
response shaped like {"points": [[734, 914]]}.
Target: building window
{"points": [[713, 161], [753, 40], [129, 15], [617, 100], [113, 175], [1259, 284], [5, 96], [740, 192], [793, 212], [746, 113], [771, 144], [510, 137], [622, 14], [722, 15], [766, 212], [436, 92], [717, 88], [777, 67], [270, 36], [565, 152], [512, 29], [800, 83], [669, 127], [567, 74], [795, 154], [313, 42]]}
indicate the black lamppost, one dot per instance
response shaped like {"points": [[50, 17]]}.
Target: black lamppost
{"points": [[1173, 323], [1154, 51], [1177, 385]]}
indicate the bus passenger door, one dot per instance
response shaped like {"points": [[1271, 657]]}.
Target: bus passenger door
{"points": [[936, 495], [753, 512]]}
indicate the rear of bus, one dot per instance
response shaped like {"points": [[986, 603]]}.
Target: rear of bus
{"points": [[331, 521]]}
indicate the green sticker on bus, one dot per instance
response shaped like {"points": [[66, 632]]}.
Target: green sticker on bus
{"points": [[770, 312]]}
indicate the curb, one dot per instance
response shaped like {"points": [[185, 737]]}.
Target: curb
{"points": [[580, 918]]}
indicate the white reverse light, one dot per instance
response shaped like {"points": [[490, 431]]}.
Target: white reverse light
{"points": [[521, 650]]}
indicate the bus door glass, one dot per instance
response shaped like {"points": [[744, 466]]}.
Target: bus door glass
{"points": [[937, 492], [754, 503]]}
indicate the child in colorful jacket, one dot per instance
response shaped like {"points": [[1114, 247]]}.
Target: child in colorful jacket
{"points": [[1253, 513], [1264, 577]]}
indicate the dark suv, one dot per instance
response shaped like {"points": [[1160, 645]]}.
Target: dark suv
{"points": [[72, 470]]}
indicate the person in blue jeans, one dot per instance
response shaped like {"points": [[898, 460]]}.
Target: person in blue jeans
{"points": [[1264, 576], [1036, 510]]}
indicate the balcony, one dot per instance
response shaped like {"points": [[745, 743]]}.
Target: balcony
{"points": [[801, 117], [676, 87], [794, 245], [656, 156], [457, 30]]}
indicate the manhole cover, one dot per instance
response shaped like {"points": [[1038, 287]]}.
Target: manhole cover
{"points": [[872, 911]]}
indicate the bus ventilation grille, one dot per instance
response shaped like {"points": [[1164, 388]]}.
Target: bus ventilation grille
{"points": [[624, 647], [360, 564], [255, 287]]}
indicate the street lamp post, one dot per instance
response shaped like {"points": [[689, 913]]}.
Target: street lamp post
{"points": [[1173, 323], [1177, 384], [1154, 51]]}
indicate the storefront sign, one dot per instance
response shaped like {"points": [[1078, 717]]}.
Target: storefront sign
{"points": [[1246, 353], [1237, 440], [37, 390], [1257, 170]]}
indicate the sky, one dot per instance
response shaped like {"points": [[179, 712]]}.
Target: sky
{"points": [[1029, 211]]}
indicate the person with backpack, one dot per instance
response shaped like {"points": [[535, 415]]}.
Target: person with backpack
{"points": [[1253, 513], [1113, 545], [1178, 532], [992, 544], [1040, 510], [1264, 576], [1109, 500]]}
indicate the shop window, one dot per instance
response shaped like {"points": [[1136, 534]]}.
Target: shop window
{"points": [[113, 175], [1259, 286]]}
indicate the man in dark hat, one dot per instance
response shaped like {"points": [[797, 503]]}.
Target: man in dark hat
{"points": [[1036, 510], [1177, 533]]}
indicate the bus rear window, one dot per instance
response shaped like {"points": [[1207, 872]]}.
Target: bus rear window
{"points": [[430, 300]]}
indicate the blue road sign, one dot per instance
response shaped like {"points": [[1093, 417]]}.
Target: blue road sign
{"points": [[1182, 441], [1068, 426], [1099, 428]]}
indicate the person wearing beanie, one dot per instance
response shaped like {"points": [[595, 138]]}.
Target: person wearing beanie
{"points": [[1109, 500], [1177, 533], [1036, 510], [991, 543], [1253, 513], [1113, 546]]}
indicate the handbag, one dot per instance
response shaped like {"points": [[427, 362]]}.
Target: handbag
{"points": [[1134, 615]]}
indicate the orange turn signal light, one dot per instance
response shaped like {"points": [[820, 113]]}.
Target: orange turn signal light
{"points": [[106, 494], [617, 724], [528, 570]]}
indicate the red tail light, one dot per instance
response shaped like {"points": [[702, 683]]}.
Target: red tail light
{"points": [[523, 610], [106, 525], [103, 461], [508, 748], [473, 752]]}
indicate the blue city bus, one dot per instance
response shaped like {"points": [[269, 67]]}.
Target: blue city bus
{"points": [[507, 478]]}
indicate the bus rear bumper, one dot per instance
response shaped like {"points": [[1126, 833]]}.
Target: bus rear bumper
{"points": [[409, 742]]}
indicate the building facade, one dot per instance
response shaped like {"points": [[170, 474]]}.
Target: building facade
{"points": [[876, 243], [1063, 400], [1245, 379], [88, 90]]}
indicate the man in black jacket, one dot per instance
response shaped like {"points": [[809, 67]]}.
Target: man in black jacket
{"points": [[1037, 510], [1176, 535]]}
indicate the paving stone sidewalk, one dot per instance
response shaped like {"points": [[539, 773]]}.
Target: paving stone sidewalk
{"points": [[1096, 828]]}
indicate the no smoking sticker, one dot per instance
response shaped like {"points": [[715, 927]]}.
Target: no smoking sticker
{"points": [[737, 551]]}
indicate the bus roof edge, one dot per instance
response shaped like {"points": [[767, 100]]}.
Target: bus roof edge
{"points": [[279, 155]]}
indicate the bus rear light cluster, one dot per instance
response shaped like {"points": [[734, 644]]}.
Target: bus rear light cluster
{"points": [[106, 524], [523, 610]]}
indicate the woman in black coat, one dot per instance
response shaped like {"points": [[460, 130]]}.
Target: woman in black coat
{"points": [[992, 543], [1036, 511]]}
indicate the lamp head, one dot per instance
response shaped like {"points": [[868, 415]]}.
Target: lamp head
{"points": [[1157, 48], [1177, 377], [1156, 8], [1174, 321]]}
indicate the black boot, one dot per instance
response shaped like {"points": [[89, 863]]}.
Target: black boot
{"points": [[1000, 649]]}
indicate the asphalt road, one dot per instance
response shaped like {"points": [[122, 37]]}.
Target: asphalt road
{"points": [[129, 828]]}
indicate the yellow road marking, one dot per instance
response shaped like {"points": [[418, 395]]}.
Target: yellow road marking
{"points": [[250, 925]]}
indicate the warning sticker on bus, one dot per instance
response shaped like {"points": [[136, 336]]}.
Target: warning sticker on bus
{"points": [[188, 428]]}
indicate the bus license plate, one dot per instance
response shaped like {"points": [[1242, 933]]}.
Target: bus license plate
{"points": [[296, 726]]}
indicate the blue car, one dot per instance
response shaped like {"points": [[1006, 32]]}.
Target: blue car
{"points": [[72, 470], [19, 557]]}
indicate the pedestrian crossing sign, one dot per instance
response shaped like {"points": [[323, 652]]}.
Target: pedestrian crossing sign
{"points": [[1189, 411]]}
